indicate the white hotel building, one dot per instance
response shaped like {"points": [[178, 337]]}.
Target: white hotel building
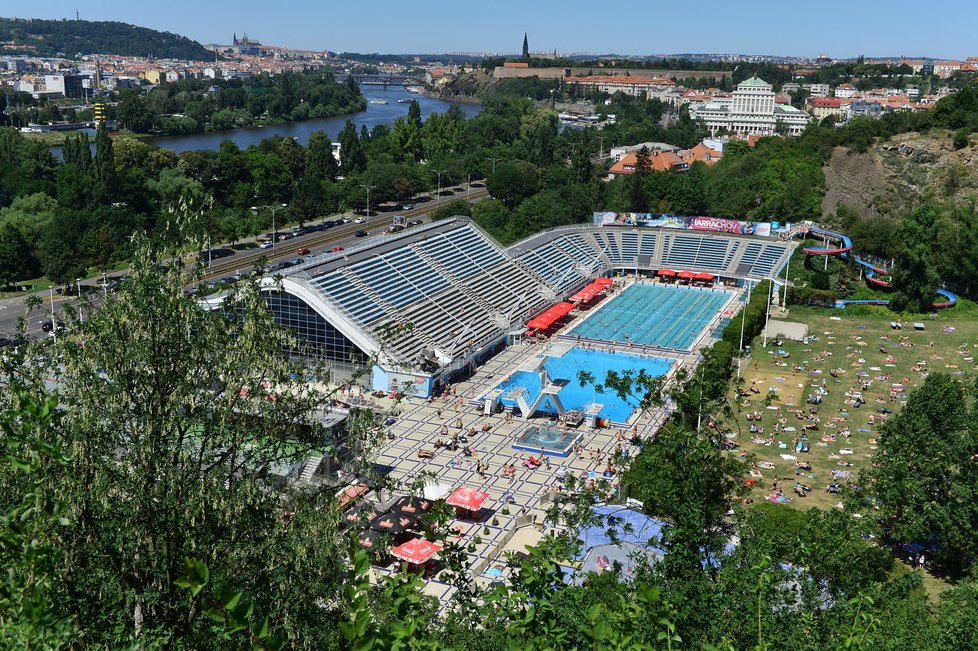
{"points": [[751, 111]]}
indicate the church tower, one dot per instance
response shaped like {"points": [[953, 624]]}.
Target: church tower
{"points": [[526, 47]]}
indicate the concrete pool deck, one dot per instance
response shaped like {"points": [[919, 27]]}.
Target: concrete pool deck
{"points": [[419, 424]]}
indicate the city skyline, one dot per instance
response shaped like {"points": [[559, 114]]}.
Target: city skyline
{"points": [[838, 29]]}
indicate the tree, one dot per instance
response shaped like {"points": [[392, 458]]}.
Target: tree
{"points": [[31, 587], [915, 277], [638, 200], [512, 182], [61, 261], [104, 157], [926, 478], [320, 162], [17, 261], [453, 208], [174, 421], [687, 479], [352, 157]]}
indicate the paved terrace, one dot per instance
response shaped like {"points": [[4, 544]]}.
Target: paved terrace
{"points": [[421, 423]]}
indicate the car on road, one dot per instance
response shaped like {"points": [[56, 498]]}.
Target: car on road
{"points": [[409, 206], [48, 326], [360, 220], [395, 228], [302, 251], [337, 249], [267, 244], [415, 222], [361, 234]]}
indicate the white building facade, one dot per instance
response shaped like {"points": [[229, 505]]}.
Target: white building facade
{"points": [[751, 111]]}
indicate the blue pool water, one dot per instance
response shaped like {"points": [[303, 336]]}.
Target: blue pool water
{"points": [[668, 316], [552, 440], [574, 396]]}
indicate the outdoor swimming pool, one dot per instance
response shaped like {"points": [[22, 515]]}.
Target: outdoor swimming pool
{"points": [[546, 438], [574, 396], [668, 316]]}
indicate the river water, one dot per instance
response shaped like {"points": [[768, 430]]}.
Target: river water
{"points": [[374, 115]]}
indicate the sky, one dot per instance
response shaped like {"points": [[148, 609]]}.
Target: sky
{"points": [[837, 28]]}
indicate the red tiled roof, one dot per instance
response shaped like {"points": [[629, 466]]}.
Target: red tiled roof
{"points": [[659, 161], [826, 102]]}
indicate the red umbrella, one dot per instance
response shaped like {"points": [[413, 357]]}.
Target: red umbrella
{"points": [[416, 550], [666, 272], [704, 276], [686, 274], [542, 322], [604, 282], [467, 498]]}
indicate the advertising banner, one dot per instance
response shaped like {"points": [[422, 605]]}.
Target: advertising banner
{"points": [[721, 225], [658, 220]]}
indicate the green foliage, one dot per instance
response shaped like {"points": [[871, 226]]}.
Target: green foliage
{"points": [[926, 482], [513, 182], [750, 319], [173, 448], [31, 586], [47, 38], [453, 208]]}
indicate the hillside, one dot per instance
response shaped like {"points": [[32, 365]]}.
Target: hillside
{"points": [[71, 38], [900, 172]]}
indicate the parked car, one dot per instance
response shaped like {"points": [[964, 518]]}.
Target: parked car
{"points": [[302, 251], [267, 244], [360, 220]]}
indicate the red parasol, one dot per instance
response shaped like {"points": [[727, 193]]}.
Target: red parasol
{"points": [[467, 498], [687, 274], [604, 282], [416, 550], [666, 272], [542, 322], [703, 276]]}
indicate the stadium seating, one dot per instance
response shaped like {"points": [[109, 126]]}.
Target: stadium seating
{"points": [[458, 288]]}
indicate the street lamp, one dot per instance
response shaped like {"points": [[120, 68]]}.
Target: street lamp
{"points": [[743, 315], [54, 323], [438, 194], [767, 317], [493, 161], [273, 209], [368, 188], [81, 314]]}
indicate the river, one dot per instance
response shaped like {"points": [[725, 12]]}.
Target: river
{"points": [[374, 115]]}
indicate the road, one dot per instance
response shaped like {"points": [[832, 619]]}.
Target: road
{"points": [[243, 261]]}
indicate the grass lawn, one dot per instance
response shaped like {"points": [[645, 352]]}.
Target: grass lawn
{"points": [[842, 354]]}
